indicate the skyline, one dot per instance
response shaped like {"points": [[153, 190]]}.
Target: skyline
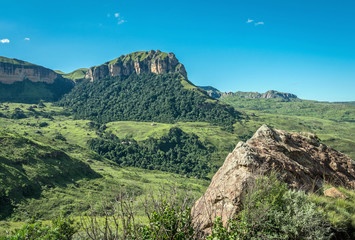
{"points": [[305, 48]]}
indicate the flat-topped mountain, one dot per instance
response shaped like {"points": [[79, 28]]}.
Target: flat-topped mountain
{"points": [[215, 93], [22, 81], [145, 86], [138, 62], [14, 70]]}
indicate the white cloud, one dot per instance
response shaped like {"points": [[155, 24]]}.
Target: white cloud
{"points": [[117, 15], [27, 39], [121, 21], [259, 23], [250, 20], [5, 40]]}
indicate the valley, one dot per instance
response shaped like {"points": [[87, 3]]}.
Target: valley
{"points": [[137, 125]]}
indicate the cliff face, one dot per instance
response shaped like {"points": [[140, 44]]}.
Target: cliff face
{"points": [[300, 159], [13, 70], [138, 62]]}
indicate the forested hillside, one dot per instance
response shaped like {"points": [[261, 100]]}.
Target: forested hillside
{"points": [[147, 97]]}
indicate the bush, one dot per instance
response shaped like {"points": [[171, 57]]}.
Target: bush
{"points": [[61, 229], [271, 211]]}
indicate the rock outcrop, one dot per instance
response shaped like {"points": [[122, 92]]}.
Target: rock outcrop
{"points": [[13, 70], [300, 159], [138, 62]]}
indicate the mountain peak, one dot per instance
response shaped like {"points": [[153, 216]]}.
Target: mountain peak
{"points": [[138, 62]]}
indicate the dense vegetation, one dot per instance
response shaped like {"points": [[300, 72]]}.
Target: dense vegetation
{"points": [[32, 92], [146, 97], [176, 152], [272, 211], [269, 210]]}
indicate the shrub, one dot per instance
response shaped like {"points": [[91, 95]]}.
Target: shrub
{"points": [[271, 211], [61, 229]]}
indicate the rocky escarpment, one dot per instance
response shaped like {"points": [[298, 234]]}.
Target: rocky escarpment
{"points": [[138, 62], [13, 70], [215, 93], [22, 81], [300, 159]]}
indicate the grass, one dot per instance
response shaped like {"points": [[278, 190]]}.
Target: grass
{"points": [[15, 61], [339, 212]]}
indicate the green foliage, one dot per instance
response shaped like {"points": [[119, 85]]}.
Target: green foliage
{"points": [[270, 211], [60, 229], [176, 152], [145, 97], [171, 223], [32, 92]]}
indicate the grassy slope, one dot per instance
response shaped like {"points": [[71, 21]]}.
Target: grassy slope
{"points": [[333, 123], [76, 197]]}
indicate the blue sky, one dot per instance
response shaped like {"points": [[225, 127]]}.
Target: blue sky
{"points": [[302, 47]]}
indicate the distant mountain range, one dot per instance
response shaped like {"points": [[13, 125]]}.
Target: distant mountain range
{"points": [[215, 93]]}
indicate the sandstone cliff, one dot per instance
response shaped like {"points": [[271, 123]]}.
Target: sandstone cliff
{"points": [[138, 62], [300, 159], [13, 70]]}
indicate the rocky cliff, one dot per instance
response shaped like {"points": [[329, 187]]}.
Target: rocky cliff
{"points": [[22, 81], [300, 159], [13, 70], [138, 62]]}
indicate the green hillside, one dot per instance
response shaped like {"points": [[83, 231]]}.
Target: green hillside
{"points": [[76, 75], [298, 107], [27, 166], [32, 92], [147, 97], [15, 61]]}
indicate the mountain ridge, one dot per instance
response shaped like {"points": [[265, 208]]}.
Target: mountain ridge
{"points": [[215, 93]]}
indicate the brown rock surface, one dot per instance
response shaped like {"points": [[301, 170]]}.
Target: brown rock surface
{"points": [[334, 193], [301, 161], [138, 62], [13, 70]]}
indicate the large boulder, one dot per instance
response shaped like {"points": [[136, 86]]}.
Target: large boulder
{"points": [[300, 159]]}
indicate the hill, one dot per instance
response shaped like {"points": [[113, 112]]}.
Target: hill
{"points": [[27, 167], [144, 86], [21, 81]]}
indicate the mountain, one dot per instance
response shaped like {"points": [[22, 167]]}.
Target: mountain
{"points": [[144, 86], [215, 93], [138, 62], [22, 81]]}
